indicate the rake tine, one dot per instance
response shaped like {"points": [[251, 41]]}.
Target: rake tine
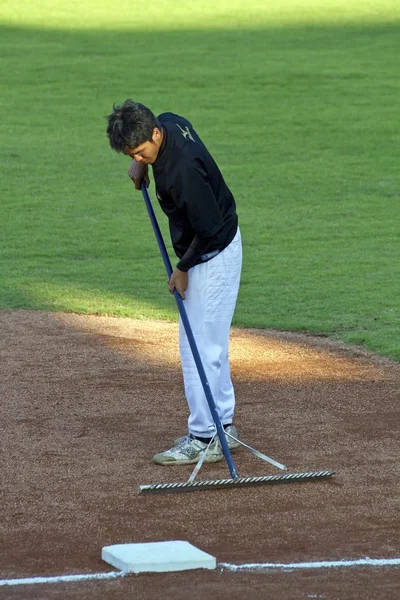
{"points": [[200, 463], [258, 454]]}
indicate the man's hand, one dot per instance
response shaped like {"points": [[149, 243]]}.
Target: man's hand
{"points": [[179, 281], [138, 172]]}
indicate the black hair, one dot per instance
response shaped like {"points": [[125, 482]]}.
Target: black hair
{"points": [[130, 125]]}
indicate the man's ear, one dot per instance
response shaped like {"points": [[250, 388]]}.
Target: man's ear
{"points": [[156, 137]]}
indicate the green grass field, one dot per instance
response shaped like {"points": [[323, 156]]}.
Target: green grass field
{"points": [[298, 102]]}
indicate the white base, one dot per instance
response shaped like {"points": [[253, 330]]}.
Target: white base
{"points": [[157, 557]]}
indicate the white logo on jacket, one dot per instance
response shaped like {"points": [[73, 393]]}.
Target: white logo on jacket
{"points": [[185, 132]]}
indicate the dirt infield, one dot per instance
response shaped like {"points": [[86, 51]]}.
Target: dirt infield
{"points": [[85, 403]]}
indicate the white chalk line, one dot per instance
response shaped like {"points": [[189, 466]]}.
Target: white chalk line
{"points": [[62, 578], [368, 562], [326, 564]]}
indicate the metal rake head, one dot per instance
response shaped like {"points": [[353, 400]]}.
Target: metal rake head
{"points": [[192, 486]]}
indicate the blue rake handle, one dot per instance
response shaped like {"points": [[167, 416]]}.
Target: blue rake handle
{"points": [[189, 333]]}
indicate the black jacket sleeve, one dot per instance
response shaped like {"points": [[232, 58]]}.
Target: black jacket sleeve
{"points": [[193, 192]]}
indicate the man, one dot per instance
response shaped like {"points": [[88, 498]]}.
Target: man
{"points": [[204, 231]]}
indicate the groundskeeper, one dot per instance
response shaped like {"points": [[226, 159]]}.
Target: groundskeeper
{"points": [[204, 231]]}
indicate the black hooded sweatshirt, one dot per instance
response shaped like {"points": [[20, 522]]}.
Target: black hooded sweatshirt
{"points": [[193, 194]]}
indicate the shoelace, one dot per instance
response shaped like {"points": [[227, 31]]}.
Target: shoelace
{"points": [[185, 441]]}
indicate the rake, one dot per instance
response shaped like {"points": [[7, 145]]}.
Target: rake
{"points": [[234, 481]]}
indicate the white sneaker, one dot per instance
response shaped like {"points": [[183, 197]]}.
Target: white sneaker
{"points": [[233, 445], [188, 451]]}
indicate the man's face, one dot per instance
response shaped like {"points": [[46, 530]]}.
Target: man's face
{"points": [[148, 151]]}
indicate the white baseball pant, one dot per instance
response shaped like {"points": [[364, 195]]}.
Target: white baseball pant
{"points": [[210, 304]]}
